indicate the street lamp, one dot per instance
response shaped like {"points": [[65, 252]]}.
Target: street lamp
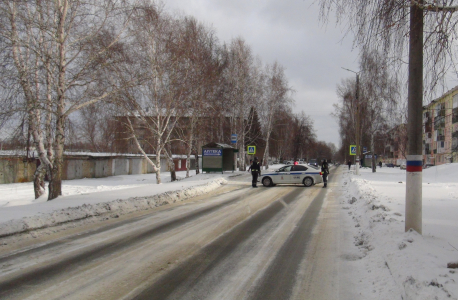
{"points": [[357, 120]]}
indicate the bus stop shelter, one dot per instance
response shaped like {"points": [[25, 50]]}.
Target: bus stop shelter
{"points": [[217, 157]]}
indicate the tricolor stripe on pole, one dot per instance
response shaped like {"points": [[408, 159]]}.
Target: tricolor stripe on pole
{"points": [[414, 163]]}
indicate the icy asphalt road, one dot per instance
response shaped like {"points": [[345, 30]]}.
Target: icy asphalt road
{"points": [[234, 243]]}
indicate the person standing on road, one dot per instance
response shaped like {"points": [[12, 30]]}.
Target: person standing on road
{"points": [[349, 164], [255, 171], [325, 172], [380, 163]]}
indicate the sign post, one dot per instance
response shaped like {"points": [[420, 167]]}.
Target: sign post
{"points": [[234, 142]]}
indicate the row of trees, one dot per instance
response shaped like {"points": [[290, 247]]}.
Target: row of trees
{"points": [[415, 35], [56, 59], [378, 105], [382, 31], [71, 69]]}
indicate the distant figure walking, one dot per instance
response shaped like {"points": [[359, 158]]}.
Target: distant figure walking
{"points": [[380, 163], [325, 172], [349, 164], [255, 171]]}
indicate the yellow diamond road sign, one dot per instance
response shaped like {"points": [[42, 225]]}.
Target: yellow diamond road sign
{"points": [[251, 150]]}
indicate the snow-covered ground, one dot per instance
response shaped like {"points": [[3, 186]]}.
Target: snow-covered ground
{"points": [[22, 193], [391, 263], [108, 197], [398, 263]]}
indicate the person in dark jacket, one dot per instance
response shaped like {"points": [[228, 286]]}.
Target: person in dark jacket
{"points": [[325, 172], [349, 164], [255, 171]]}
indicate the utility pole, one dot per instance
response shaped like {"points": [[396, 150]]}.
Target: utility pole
{"points": [[414, 124], [358, 121], [358, 117]]}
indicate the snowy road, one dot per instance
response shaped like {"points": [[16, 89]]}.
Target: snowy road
{"points": [[233, 243]]}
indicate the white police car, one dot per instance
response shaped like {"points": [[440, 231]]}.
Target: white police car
{"points": [[293, 174]]}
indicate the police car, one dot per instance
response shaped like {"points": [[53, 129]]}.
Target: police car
{"points": [[293, 174]]}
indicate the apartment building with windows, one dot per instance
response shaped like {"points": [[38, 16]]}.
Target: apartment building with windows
{"points": [[440, 129]]}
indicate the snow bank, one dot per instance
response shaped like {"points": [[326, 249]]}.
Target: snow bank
{"points": [[111, 209], [399, 263]]}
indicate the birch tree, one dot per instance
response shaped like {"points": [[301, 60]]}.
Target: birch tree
{"points": [[384, 25], [199, 46], [243, 78], [345, 113], [277, 97], [57, 50], [280, 135], [154, 106], [379, 93], [303, 135]]}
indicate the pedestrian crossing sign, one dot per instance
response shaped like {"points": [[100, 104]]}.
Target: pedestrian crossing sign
{"points": [[251, 150], [352, 149]]}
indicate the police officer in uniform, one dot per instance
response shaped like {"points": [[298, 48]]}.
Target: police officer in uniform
{"points": [[325, 171], [255, 171]]}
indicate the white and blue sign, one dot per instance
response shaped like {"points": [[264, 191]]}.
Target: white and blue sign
{"points": [[352, 149], [251, 150], [213, 152], [364, 149], [234, 138]]}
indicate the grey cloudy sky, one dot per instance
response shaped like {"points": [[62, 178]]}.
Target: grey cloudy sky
{"points": [[288, 31]]}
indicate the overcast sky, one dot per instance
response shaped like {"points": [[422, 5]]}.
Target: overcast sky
{"points": [[288, 31]]}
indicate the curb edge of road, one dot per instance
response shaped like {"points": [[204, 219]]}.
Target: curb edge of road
{"points": [[111, 209]]}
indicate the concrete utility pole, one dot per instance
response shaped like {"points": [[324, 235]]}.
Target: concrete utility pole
{"points": [[414, 122], [358, 121], [358, 152]]}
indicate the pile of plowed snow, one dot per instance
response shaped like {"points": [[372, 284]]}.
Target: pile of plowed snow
{"points": [[112, 209]]}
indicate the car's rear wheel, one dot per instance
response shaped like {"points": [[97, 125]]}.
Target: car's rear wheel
{"points": [[267, 182], [308, 181]]}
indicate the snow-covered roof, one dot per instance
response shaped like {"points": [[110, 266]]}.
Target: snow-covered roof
{"points": [[218, 145], [33, 154]]}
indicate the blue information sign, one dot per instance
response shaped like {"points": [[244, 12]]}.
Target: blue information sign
{"points": [[213, 152], [234, 138]]}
